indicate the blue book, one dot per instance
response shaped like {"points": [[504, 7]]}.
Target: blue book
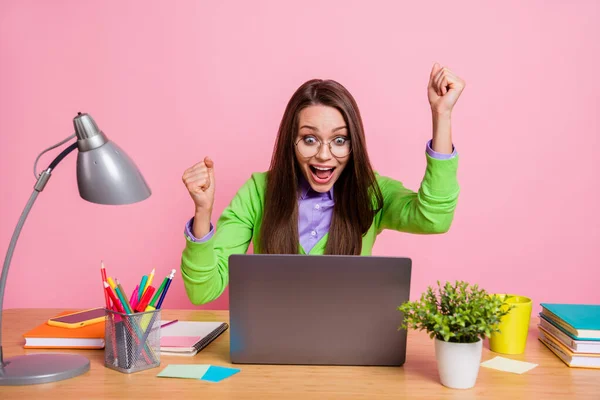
{"points": [[582, 321]]}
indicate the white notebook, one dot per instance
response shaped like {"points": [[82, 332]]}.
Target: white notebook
{"points": [[187, 338]]}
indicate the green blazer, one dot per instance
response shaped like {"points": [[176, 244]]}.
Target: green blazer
{"points": [[204, 266]]}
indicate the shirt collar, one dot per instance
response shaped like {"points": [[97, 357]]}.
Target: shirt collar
{"points": [[305, 189]]}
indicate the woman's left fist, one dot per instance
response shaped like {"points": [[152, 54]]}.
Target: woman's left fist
{"points": [[444, 89]]}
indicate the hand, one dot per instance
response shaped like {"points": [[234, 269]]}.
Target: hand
{"points": [[200, 183], [444, 89]]}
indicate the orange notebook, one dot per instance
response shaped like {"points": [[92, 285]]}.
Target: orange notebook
{"points": [[45, 336]]}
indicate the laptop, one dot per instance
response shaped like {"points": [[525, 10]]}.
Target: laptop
{"points": [[317, 309]]}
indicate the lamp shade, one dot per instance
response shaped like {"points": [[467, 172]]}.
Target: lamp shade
{"points": [[105, 173]]}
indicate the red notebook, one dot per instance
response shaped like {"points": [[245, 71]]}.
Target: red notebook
{"points": [[46, 336]]}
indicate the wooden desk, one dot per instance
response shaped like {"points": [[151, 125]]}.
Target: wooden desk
{"points": [[416, 379]]}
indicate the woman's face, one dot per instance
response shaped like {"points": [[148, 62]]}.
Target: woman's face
{"points": [[322, 164]]}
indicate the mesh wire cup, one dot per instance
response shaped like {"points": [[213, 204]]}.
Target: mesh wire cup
{"points": [[132, 341]]}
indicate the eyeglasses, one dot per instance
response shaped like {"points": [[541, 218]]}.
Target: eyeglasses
{"points": [[309, 146]]}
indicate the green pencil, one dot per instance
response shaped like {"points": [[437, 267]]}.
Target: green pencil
{"points": [[158, 292], [126, 306], [124, 298]]}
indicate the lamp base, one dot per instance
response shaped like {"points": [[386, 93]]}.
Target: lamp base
{"points": [[42, 368]]}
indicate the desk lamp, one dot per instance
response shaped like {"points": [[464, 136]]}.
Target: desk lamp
{"points": [[105, 175]]}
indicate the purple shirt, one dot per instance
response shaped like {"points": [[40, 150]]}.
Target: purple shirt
{"points": [[314, 210], [314, 214]]}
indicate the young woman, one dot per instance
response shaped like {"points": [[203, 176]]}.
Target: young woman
{"points": [[320, 195]]}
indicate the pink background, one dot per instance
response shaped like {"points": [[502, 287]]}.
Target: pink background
{"points": [[171, 82]]}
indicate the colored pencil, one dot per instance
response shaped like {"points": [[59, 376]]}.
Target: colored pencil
{"points": [[112, 283], [164, 293], [141, 289], [141, 306], [159, 291], [121, 294], [150, 279], [103, 275], [108, 290]]}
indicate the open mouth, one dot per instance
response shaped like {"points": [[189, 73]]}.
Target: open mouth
{"points": [[321, 174]]}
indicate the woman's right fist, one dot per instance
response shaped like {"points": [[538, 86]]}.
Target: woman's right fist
{"points": [[200, 183]]}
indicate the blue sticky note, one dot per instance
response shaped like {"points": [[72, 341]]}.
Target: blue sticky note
{"points": [[217, 374]]}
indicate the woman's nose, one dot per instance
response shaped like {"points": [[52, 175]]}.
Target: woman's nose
{"points": [[324, 152]]}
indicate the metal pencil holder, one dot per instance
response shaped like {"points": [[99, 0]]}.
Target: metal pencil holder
{"points": [[132, 341]]}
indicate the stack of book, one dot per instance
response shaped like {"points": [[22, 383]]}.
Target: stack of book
{"points": [[45, 336], [572, 332]]}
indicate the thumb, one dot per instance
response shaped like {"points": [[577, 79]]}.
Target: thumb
{"points": [[210, 164], [436, 68]]}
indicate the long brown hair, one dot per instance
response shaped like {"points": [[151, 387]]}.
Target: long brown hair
{"points": [[356, 193]]}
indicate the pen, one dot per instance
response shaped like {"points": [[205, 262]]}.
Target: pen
{"points": [[103, 275], [165, 324], [164, 293], [133, 301], [142, 287], [169, 323]]}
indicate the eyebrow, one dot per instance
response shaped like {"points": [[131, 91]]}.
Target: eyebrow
{"points": [[312, 128]]}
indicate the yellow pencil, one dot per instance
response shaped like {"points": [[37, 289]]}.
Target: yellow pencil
{"points": [[111, 282], [149, 281]]}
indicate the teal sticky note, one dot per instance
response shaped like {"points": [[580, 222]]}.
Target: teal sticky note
{"points": [[217, 374], [190, 371]]}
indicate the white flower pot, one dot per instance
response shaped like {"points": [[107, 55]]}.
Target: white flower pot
{"points": [[458, 363]]}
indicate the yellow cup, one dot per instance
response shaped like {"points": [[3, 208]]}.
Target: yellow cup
{"points": [[513, 327]]}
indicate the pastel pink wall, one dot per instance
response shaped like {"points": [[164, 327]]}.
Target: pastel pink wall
{"points": [[171, 82]]}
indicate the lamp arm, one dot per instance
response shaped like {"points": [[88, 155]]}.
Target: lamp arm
{"points": [[47, 150], [39, 186]]}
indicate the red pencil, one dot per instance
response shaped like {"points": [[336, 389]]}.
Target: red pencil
{"points": [[145, 299], [103, 273], [116, 302]]}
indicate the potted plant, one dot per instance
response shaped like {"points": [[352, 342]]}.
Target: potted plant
{"points": [[459, 317]]}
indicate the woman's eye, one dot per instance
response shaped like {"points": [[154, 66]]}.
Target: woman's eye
{"points": [[339, 141], [310, 140]]}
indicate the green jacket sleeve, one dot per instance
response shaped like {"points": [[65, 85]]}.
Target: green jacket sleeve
{"points": [[431, 209], [204, 266]]}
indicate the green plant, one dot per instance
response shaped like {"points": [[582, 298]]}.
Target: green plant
{"points": [[458, 313]]}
